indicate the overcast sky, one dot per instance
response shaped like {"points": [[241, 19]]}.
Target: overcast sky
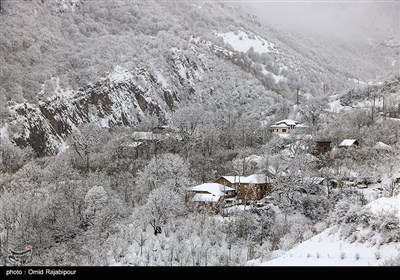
{"points": [[344, 19]]}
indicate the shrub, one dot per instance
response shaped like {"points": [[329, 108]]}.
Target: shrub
{"points": [[393, 261]]}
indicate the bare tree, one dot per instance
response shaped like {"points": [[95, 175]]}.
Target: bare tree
{"points": [[141, 242]]}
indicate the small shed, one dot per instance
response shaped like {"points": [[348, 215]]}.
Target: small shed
{"points": [[323, 147], [346, 143]]}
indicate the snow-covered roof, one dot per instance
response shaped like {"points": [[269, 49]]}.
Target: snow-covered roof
{"points": [[251, 179], [133, 144], [232, 179], [144, 135], [381, 146], [287, 122], [347, 142], [212, 188], [205, 197], [255, 179], [279, 125]]}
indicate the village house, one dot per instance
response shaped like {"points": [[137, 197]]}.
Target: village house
{"points": [[322, 147], [148, 136], [230, 181], [285, 127], [145, 144], [252, 187], [211, 194]]}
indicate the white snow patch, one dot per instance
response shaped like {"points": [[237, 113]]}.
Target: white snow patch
{"points": [[385, 204], [335, 106], [63, 147], [104, 122], [394, 62], [181, 71], [120, 74], [4, 132], [161, 79], [243, 42], [277, 78], [381, 146]]}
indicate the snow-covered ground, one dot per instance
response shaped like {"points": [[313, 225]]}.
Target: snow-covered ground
{"points": [[277, 78], [385, 204], [120, 74], [329, 249], [242, 42]]}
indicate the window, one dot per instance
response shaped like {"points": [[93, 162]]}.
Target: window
{"points": [[283, 129]]}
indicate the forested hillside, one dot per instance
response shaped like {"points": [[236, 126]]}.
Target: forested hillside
{"points": [[111, 110]]}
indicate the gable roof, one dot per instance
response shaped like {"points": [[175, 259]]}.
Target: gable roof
{"points": [[251, 179], [204, 197], [255, 179], [145, 135], [286, 123], [232, 179], [347, 142], [214, 189]]}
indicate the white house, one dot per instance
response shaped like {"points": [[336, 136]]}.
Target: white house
{"points": [[285, 127]]}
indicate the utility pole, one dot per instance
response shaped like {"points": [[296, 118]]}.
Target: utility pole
{"points": [[297, 96], [325, 88], [383, 107], [373, 108]]}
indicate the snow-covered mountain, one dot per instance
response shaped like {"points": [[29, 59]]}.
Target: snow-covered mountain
{"points": [[119, 65]]}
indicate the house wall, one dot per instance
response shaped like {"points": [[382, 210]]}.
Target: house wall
{"points": [[230, 194], [224, 182], [252, 192], [276, 131], [323, 147]]}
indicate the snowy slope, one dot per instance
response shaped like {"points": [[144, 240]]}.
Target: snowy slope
{"points": [[242, 42], [329, 249]]}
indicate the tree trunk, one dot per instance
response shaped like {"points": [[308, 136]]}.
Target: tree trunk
{"points": [[87, 162]]}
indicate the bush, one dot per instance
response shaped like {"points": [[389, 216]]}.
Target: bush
{"points": [[393, 261], [364, 217], [315, 207]]}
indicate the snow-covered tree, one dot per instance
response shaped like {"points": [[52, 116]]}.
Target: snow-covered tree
{"points": [[167, 170], [162, 204]]}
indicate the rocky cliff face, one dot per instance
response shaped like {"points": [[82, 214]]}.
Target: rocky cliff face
{"points": [[117, 100]]}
